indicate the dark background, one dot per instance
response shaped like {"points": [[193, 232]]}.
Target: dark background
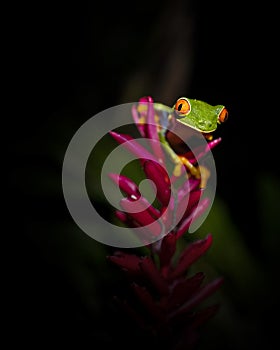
{"points": [[68, 61]]}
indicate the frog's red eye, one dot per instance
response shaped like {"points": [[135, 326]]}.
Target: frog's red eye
{"points": [[223, 116], [182, 106]]}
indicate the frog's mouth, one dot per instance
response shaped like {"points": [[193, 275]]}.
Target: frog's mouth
{"points": [[191, 126]]}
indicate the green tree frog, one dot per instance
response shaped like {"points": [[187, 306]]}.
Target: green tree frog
{"points": [[199, 115], [186, 118], [193, 114]]}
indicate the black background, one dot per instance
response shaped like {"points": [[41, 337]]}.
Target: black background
{"points": [[68, 61]]}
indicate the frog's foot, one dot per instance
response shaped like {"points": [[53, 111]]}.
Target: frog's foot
{"points": [[179, 162], [204, 176], [199, 172], [208, 136], [192, 168]]}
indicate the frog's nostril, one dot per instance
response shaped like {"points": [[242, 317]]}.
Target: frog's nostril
{"points": [[205, 123]]}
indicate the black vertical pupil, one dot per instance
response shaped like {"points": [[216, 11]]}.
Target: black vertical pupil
{"points": [[180, 106]]}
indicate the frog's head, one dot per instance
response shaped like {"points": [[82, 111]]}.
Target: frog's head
{"points": [[199, 115]]}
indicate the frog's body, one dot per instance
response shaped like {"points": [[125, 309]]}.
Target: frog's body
{"points": [[186, 118], [195, 114]]}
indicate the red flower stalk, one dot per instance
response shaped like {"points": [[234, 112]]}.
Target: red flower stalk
{"points": [[169, 295]]}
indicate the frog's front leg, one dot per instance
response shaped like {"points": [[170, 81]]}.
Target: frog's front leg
{"points": [[199, 172], [177, 159]]}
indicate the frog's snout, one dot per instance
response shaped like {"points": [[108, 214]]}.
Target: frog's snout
{"points": [[205, 124]]}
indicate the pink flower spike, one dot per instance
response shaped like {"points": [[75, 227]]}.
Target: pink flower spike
{"points": [[184, 289], [167, 218], [184, 226], [138, 122], [126, 185], [152, 273], [151, 128], [132, 146], [192, 202], [146, 99], [152, 210], [210, 145], [214, 143], [148, 301], [123, 217], [128, 262], [188, 186], [167, 292], [198, 297], [197, 212], [194, 184], [132, 190], [186, 202], [142, 215], [159, 176], [201, 151], [120, 138], [167, 250], [192, 253]]}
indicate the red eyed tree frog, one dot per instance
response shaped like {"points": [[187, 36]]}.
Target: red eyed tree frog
{"points": [[191, 117], [199, 115], [187, 117], [196, 115]]}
